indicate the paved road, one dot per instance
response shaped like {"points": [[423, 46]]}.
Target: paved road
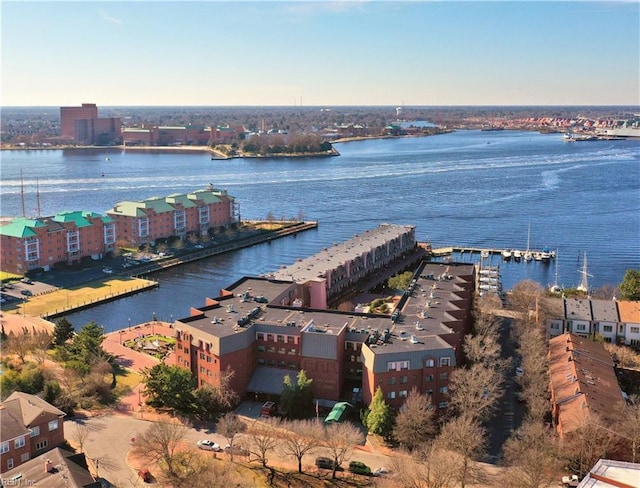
{"points": [[110, 440]]}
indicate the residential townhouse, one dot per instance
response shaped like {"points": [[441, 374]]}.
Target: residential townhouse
{"points": [[30, 427], [617, 321], [67, 237], [583, 383], [264, 328], [336, 269], [177, 215]]}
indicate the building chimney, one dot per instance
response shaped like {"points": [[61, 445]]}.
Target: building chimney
{"points": [[48, 466]]}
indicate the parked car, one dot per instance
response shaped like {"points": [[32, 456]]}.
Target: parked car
{"points": [[237, 450], [145, 474], [519, 371], [358, 467], [107, 270], [26, 293], [208, 445], [326, 463], [381, 472], [26, 281]]}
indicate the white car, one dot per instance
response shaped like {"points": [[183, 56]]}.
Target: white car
{"points": [[519, 371], [208, 445], [107, 270], [381, 472]]}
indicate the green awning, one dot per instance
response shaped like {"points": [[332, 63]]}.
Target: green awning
{"points": [[337, 412]]}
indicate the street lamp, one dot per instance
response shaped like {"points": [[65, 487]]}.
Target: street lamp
{"points": [[129, 323]]}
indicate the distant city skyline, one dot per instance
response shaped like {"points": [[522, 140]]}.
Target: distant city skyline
{"points": [[314, 53]]}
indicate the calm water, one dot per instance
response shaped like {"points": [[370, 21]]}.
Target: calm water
{"points": [[468, 188]]}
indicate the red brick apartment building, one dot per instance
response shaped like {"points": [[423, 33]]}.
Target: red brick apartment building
{"points": [[180, 215], [264, 328], [81, 125], [66, 237], [30, 427], [583, 383]]}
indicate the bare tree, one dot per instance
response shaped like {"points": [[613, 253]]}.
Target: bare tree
{"points": [[474, 391], [160, 443], [229, 426], [301, 437], [340, 438], [415, 423], [464, 438], [629, 428], [20, 344], [585, 445], [484, 349], [524, 296], [80, 433], [530, 453], [41, 342], [264, 437]]}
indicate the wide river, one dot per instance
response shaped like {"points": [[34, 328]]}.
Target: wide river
{"points": [[468, 188]]}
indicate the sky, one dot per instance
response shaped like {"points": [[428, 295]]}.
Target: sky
{"points": [[315, 53]]}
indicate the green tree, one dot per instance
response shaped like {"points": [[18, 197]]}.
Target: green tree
{"points": [[400, 281], [379, 418], [86, 346], [630, 286], [62, 332], [170, 387], [297, 399]]}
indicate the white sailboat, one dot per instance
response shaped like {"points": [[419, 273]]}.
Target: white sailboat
{"points": [[584, 284], [555, 288], [527, 254]]}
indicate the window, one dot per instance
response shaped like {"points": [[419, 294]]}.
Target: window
{"points": [[404, 379], [282, 350], [53, 425], [35, 431], [443, 405], [397, 365], [445, 362], [581, 327], [280, 338], [634, 330], [429, 363], [292, 351], [392, 380], [444, 376], [260, 360], [428, 378], [4, 447], [10, 463], [402, 393], [202, 356], [208, 359], [271, 349], [41, 444], [24, 457], [607, 328], [444, 389], [261, 348], [391, 395], [555, 325], [19, 442]]}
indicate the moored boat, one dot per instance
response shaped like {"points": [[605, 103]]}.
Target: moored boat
{"points": [[506, 254]]}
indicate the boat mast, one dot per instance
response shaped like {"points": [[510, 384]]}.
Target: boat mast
{"points": [[24, 212], [584, 284], [38, 197]]}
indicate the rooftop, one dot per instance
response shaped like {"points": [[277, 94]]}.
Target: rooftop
{"points": [[316, 266], [607, 473]]}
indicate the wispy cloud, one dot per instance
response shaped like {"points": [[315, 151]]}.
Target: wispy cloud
{"points": [[109, 18]]}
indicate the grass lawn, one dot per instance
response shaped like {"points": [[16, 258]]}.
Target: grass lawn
{"points": [[61, 300]]}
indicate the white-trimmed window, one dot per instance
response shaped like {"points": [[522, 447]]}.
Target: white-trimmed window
{"points": [[35, 431], [42, 444], [9, 463], [4, 447], [19, 442], [391, 395], [53, 425], [445, 362], [429, 363]]}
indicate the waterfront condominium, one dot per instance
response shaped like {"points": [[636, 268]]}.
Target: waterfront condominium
{"points": [[39, 243], [178, 215], [265, 328]]}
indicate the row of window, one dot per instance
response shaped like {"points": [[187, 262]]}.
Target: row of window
{"points": [[284, 339], [281, 364], [281, 350]]}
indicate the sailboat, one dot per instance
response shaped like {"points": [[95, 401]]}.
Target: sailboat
{"points": [[555, 288], [584, 284], [527, 254]]}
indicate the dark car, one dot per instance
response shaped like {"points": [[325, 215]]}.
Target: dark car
{"points": [[326, 463], [359, 468], [26, 293]]}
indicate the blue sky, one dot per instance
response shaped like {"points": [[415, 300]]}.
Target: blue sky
{"points": [[320, 53]]}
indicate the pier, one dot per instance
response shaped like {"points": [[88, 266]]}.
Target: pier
{"points": [[488, 251]]}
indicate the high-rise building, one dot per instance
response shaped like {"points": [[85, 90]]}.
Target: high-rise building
{"points": [[81, 125]]}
